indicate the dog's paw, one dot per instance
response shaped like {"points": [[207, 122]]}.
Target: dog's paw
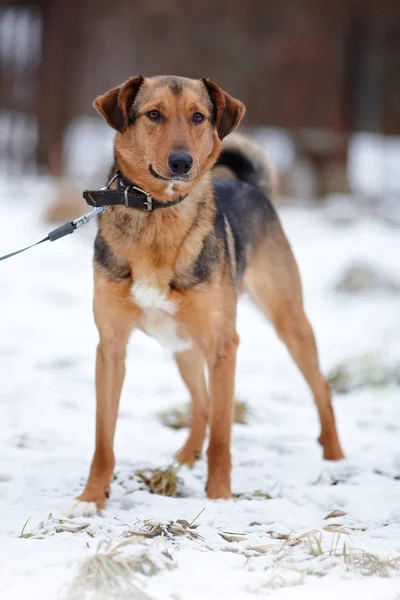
{"points": [[188, 456], [218, 489], [79, 508]]}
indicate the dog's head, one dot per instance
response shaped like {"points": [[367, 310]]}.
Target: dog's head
{"points": [[169, 130]]}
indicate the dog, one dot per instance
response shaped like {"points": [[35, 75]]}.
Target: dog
{"points": [[176, 270]]}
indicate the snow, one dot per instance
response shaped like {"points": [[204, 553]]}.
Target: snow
{"points": [[47, 403], [373, 161]]}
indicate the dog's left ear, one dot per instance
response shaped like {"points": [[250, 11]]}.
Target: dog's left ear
{"points": [[114, 105], [228, 111]]}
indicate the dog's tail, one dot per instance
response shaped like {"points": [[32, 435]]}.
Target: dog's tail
{"points": [[246, 160]]}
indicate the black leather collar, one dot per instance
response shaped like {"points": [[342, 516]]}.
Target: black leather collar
{"points": [[127, 194]]}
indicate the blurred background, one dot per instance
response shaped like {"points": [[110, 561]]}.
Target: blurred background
{"points": [[320, 81]]}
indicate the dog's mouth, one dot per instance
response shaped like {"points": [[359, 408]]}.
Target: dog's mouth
{"points": [[183, 179]]}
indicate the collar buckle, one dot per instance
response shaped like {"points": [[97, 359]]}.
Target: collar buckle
{"points": [[148, 201], [148, 204]]}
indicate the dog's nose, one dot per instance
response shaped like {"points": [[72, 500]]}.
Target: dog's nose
{"points": [[180, 163]]}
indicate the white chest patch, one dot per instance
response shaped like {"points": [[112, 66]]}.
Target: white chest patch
{"points": [[164, 331], [158, 322], [147, 298]]}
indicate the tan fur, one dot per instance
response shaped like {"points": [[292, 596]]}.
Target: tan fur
{"points": [[159, 246]]}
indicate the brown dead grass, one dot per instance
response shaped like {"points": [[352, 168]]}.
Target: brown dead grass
{"points": [[178, 528], [164, 481], [179, 418]]}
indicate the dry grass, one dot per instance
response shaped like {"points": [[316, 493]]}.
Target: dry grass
{"points": [[52, 526], [232, 537], [242, 412], [336, 513], [370, 564], [176, 418], [178, 528], [179, 418], [163, 481], [341, 546], [112, 573], [368, 370], [257, 494], [274, 492], [117, 573]]}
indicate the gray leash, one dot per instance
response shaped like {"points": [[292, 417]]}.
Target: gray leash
{"points": [[61, 231]]}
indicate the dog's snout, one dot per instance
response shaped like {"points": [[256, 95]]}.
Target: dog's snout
{"points": [[180, 163]]}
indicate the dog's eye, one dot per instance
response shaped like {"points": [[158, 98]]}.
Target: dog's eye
{"points": [[153, 115], [198, 117]]}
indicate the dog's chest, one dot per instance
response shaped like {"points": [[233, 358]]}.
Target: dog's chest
{"points": [[158, 319]]}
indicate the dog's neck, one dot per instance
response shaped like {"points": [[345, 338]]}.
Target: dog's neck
{"points": [[181, 214]]}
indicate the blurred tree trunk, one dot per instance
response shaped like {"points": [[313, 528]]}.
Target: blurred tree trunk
{"points": [[59, 61]]}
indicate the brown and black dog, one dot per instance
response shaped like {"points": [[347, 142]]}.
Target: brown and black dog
{"points": [[176, 272]]}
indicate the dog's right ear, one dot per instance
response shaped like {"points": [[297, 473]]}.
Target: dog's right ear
{"points": [[114, 105]]}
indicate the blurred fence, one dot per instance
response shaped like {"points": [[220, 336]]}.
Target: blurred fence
{"points": [[317, 69]]}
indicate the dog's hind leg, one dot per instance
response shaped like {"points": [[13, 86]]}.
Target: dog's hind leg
{"points": [[273, 281], [115, 317], [191, 365]]}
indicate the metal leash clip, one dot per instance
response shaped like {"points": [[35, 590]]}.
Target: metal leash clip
{"points": [[96, 210]]}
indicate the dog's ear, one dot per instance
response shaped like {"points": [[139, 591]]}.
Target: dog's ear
{"points": [[114, 105], [228, 111]]}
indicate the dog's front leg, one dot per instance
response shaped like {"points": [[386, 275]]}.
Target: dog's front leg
{"points": [[222, 392], [115, 318], [110, 373]]}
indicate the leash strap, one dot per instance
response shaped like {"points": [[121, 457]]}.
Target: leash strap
{"points": [[61, 231], [23, 249]]}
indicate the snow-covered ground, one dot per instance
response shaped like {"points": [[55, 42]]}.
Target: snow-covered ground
{"points": [[286, 547]]}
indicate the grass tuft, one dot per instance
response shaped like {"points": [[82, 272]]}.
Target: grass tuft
{"points": [[370, 564], [162, 481], [257, 494], [356, 559], [51, 526], [314, 540], [113, 574], [179, 418], [242, 412], [177, 528], [368, 370], [176, 418]]}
